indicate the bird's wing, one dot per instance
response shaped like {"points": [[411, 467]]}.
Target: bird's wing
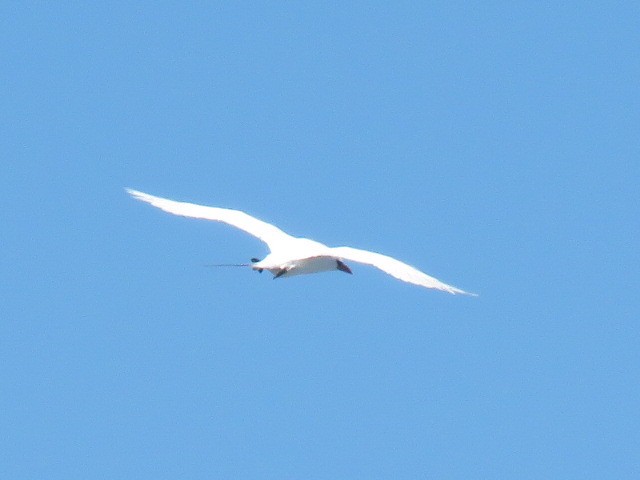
{"points": [[266, 232], [395, 268]]}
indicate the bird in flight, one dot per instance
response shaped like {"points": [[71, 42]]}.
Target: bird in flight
{"points": [[290, 255]]}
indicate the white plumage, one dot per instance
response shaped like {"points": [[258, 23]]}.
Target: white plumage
{"points": [[296, 256]]}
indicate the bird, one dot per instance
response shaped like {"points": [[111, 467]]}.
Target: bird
{"points": [[289, 255]]}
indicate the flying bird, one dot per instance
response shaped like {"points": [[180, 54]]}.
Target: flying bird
{"points": [[290, 255]]}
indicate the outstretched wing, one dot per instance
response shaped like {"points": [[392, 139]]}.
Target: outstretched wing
{"points": [[266, 232], [395, 268]]}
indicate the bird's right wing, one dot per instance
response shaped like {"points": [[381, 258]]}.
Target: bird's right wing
{"points": [[266, 232], [395, 268]]}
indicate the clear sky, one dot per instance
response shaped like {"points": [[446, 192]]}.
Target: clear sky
{"points": [[495, 145]]}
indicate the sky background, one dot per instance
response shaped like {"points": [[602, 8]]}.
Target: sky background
{"points": [[494, 145]]}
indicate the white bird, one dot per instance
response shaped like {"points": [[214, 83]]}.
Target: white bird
{"points": [[292, 255]]}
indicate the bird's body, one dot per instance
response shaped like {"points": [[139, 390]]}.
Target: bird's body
{"points": [[300, 266], [290, 256]]}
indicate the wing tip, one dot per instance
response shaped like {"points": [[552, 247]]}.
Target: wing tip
{"points": [[457, 291], [138, 195], [453, 290]]}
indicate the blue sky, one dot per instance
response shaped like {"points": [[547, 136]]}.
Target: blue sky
{"points": [[493, 144]]}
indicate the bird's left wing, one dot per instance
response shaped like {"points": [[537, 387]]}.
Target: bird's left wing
{"points": [[266, 232], [395, 268]]}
